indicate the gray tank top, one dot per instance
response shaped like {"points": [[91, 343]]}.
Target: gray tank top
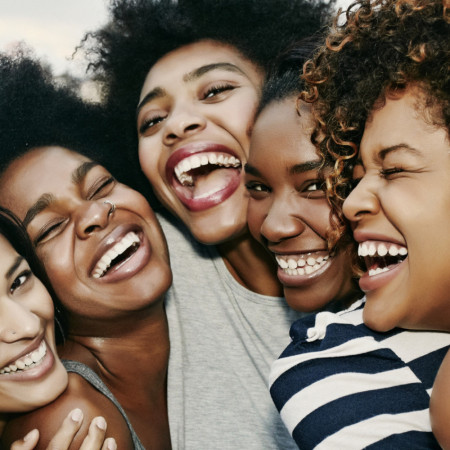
{"points": [[91, 377]]}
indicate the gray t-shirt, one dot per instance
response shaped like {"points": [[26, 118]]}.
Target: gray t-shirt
{"points": [[224, 339]]}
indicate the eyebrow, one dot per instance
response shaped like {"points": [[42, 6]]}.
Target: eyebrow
{"points": [[45, 200], [294, 170], [14, 266], [402, 146], [305, 167], [195, 74], [252, 170]]}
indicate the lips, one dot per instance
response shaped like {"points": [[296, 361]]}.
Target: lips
{"points": [[203, 175], [302, 268], [383, 260], [121, 254], [26, 362]]}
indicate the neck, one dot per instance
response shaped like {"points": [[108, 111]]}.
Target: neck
{"points": [[251, 265], [131, 356], [122, 347]]}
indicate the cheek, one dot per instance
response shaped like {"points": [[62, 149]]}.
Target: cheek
{"points": [[149, 160], [317, 214], [256, 212]]}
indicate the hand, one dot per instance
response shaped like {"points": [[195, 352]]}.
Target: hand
{"points": [[95, 439]]}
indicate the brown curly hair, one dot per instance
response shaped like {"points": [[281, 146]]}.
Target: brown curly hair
{"points": [[382, 47]]}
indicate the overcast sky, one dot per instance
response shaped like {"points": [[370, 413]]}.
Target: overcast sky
{"points": [[53, 28]]}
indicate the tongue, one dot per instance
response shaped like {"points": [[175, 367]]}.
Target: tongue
{"points": [[207, 184]]}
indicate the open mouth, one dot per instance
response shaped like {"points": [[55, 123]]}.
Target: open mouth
{"points": [[26, 362], [204, 179], [306, 264], [117, 254], [381, 257]]}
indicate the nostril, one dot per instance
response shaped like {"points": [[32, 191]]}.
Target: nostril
{"points": [[90, 229], [192, 127]]}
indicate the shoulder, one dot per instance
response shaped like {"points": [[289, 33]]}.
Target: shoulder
{"points": [[440, 405], [79, 394]]}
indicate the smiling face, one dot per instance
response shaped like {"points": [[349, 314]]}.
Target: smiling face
{"points": [[288, 212], [31, 374], [196, 109], [101, 262], [400, 212]]}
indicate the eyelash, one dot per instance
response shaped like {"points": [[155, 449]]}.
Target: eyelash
{"points": [[99, 186], [16, 284], [150, 123], [217, 89], [385, 173], [256, 187]]}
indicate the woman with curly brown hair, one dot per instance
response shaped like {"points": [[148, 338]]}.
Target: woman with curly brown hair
{"points": [[380, 94]]}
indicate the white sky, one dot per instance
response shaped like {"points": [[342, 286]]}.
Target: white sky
{"points": [[53, 28]]}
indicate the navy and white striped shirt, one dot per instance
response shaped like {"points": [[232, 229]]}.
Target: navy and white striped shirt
{"points": [[340, 385]]}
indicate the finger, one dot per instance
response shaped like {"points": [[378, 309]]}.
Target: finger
{"points": [[96, 435], [67, 431], [109, 444], [28, 442]]}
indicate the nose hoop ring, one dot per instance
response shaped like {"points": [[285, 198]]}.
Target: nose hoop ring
{"points": [[112, 208]]}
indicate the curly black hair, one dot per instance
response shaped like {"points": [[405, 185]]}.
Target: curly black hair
{"points": [[382, 47], [140, 32], [37, 112]]}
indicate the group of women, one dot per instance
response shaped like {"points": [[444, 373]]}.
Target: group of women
{"points": [[182, 346]]}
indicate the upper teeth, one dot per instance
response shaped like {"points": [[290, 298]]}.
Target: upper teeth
{"points": [[105, 261], [301, 266], [202, 159], [28, 361], [371, 248]]}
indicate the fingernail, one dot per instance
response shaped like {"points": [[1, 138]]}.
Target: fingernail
{"points": [[76, 415], [30, 435], [111, 444], [100, 423]]}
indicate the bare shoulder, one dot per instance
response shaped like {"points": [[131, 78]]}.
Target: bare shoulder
{"points": [[79, 394], [440, 404]]}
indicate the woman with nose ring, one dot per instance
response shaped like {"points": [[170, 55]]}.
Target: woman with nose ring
{"points": [[104, 254]]}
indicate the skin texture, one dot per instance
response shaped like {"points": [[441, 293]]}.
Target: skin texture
{"points": [[116, 321], [403, 198], [197, 98], [288, 212], [26, 320]]}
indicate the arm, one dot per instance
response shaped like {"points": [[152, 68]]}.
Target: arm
{"points": [[440, 404], [79, 394]]}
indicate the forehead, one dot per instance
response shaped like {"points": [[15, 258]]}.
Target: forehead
{"points": [[185, 59], [284, 131], [400, 120], [42, 170], [8, 255]]}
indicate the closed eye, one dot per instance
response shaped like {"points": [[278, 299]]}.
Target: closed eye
{"points": [[101, 187], [216, 90], [48, 231]]}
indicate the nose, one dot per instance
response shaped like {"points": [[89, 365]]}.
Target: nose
{"points": [[17, 322], [362, 201], [281, 222], [91, 216], [182, 122]]}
